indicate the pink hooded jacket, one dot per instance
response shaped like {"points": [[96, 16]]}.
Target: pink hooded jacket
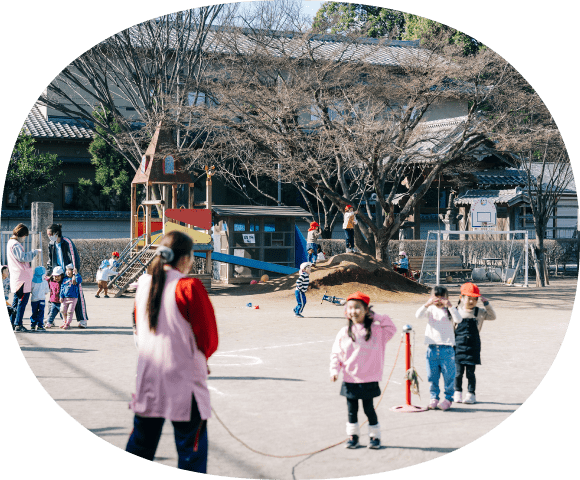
{"points": [[361, 361]]}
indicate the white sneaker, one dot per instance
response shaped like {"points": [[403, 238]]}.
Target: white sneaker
{"points": [[457, 397], [469, 398]]}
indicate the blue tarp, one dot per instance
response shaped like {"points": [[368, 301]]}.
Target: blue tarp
{"points": [[300, 255]]}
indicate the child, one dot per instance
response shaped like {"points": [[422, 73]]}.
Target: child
{"points": [[69, 294], [359, 352], [348, 225], [311, 245], [402, 266], [114, 261], [103, 274], [301, 287], [54, 283], [467, 341], [6, 283], [37, 299], [440, 338]]}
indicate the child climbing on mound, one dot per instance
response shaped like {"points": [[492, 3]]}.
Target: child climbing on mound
{"points": [[467, 340], [359, 352], [311, 245], [440, 340]]}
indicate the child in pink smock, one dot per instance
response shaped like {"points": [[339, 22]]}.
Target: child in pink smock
{"points": [[359, 352]]}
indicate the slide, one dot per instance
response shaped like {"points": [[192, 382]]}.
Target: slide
{"points": [[248, 262]]}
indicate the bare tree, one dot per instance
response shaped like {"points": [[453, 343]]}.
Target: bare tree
{"points": [[346, 117]]}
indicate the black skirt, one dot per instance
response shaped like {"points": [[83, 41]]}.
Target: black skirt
{"points": [[361, 391]]}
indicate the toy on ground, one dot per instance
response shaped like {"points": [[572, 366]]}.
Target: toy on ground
{"points": [[332, 299], [265, 278]]}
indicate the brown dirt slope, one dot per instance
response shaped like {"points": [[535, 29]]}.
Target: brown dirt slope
{"points": [[344, 274]]}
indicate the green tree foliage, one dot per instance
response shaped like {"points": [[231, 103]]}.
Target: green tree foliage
{"points": [[377, 22], [113, 174], [29, 171]]}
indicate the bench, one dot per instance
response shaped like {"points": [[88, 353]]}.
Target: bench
{"points": [[448, 264]]}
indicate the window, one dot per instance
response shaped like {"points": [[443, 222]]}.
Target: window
{"points": [[144, 163], [169, 165], [68, 195]]}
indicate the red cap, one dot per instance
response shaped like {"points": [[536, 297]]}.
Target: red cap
{"points": [[314, 224], [359, 296], [347, 207], [115, 254], [470, 289]]}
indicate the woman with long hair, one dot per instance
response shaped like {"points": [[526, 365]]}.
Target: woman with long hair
{"points": [[176, 334]]}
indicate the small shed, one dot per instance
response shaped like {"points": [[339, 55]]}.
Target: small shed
{"points": [[266, 234]]}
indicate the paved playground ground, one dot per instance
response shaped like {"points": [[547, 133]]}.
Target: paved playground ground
{"points": [[270, 385]]}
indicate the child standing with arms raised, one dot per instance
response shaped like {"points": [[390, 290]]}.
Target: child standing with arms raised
{"points": [[359, 352], [301, 287], [440, 340], [467, 340]]}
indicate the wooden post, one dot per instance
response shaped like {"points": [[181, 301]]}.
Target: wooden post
{"points": [[208, 204], [147, 215], [173, 196], [164, 197], [417, 221], [134, 217]]}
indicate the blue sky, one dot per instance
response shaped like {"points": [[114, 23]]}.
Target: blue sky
{"points": [[310, 8]]}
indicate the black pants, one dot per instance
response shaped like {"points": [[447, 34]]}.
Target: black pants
{"points": [[369, 409], [469, 373]]}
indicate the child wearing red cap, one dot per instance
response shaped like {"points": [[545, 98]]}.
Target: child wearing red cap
{"points": [[467, 340], [359, 352], [348, 226], [311, 245], [440, 340]]}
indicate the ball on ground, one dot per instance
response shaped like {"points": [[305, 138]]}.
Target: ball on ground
{"points": [[265, 278]]}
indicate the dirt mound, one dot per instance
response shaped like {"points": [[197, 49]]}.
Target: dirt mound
{"points": [[346, 273]]}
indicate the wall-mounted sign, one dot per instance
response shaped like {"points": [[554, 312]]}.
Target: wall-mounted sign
{"points": [[249, 238]]}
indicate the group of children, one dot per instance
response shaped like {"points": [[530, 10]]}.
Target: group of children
{"points": [[62, 287], [453, 349]]}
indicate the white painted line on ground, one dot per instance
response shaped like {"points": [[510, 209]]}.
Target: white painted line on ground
{"points": [[274, 346], [255, 360], [213, 389]]}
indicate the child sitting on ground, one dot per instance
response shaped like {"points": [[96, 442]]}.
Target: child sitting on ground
{"points": [[301, 287], [359, 352], [69, 294], [440, 340], [54, 282], [103, 274], [467, 340], [38, 299]]}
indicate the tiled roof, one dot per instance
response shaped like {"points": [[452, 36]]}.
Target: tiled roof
{"points": [[41, 128], [507, 177], [509, 197], [258, 210], [76, 214]]}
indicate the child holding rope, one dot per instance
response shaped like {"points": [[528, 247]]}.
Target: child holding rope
{"points": [[467, 340], [440, 340], [359, 351]]}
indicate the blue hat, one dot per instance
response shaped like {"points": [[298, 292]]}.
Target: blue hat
{"points": [[38, 273], [104, 264], [70, 266]]}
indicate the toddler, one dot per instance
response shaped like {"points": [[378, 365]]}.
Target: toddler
{"points": [[440, 340], [103, 273], [402, 266], [467, 340], [301, 287], [6, 286], [311, 245], [38, 299], [69, 294], [54, 282], [359, 352]]}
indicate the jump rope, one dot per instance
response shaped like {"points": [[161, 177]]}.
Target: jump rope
{"points": [[315, 451]]}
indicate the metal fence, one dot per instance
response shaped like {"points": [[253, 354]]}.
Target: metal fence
{"points": [[32, 241]]}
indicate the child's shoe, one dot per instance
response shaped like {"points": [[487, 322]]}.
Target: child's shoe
{"points": [[352, 442], [40, 328], [63, 325], [457, 397], [469, 398], [445, 405], [67, 327], [375, 443], [298, 315], [106, 296], [433, 404], [96, 296]]}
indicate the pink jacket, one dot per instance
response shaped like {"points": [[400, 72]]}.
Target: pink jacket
{"points": [[54, 291], [21, 272], [362, 361], [171, 368]]}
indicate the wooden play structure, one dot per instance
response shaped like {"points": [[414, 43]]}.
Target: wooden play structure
{"points": [[162, 171]]}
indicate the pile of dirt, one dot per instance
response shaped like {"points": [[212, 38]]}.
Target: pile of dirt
{"points": [[346, 273]]}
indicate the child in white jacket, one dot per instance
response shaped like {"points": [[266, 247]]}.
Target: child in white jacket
{"points": [[103, 274], [348, 226], [38, 299]]}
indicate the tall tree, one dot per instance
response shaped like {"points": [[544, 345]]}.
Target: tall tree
{"points": [[30, 171]]}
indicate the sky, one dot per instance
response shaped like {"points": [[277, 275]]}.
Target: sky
{"points": [[311, 7]]}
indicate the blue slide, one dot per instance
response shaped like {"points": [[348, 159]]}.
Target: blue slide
{"points": [[248, 262]]}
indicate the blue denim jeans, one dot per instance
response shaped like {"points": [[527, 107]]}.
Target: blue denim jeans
{"points": [[53, 312], [349, 232], [19, 305], [441, 361], [37, 317], [190, 440], [301, 301], [312, 256]]}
